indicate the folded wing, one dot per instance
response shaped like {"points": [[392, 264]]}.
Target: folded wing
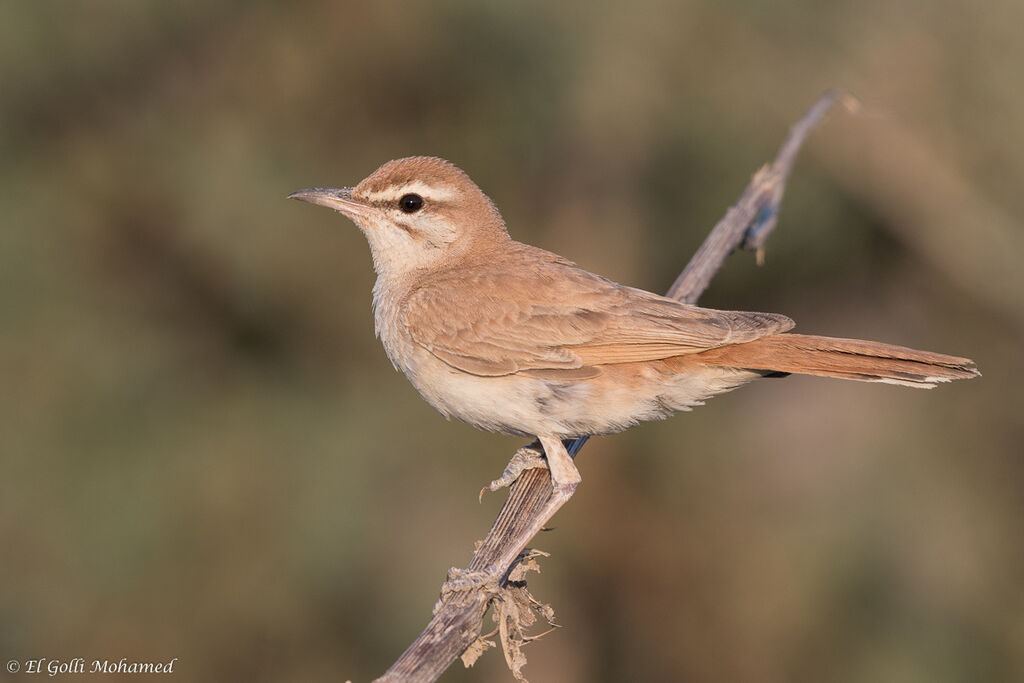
{"points": [[551, 319]]}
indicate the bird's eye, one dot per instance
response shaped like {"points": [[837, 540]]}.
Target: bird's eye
{"points": [[410, 203]]}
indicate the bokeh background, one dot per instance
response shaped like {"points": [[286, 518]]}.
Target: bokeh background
{"points": [[205, 454]]}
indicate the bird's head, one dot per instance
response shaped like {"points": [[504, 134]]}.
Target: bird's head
{"points": [[417, 213]]}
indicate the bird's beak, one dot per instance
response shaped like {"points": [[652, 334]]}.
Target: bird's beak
{"points": [[337, 198]]}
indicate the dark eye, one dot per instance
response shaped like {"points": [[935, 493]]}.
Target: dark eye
{"points": [[410, 203]]}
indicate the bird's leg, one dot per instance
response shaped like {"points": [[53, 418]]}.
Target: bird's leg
{"points": [[564, 475], [557, 461]]}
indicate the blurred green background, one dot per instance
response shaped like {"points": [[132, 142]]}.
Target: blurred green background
{"points": [[206, 454]]}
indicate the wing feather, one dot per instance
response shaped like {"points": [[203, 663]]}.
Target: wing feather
{"points": [[553, 319]]}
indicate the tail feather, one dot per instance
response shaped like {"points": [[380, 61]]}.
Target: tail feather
{"points": [[855, 359]]}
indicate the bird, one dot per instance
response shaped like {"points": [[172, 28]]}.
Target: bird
{"points": [[511, 338]]}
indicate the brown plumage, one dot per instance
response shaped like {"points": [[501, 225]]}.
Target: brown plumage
{"points": [[527, 309], [515, 339], [856, 359]]}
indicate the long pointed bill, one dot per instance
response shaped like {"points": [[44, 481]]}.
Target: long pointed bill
{"points": [[337, 198]]}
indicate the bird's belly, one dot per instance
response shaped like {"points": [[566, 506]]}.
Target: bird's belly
{"points": [[512, 404], [622, 396]]}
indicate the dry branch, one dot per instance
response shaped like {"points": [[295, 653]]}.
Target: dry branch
{"points": [[465, 596]]}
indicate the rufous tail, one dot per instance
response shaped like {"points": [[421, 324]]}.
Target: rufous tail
{"points": [[865, 361]]}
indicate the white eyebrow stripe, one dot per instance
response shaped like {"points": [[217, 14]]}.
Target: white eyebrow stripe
{"points": [[434, 192]]}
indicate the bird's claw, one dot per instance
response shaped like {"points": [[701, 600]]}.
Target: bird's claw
{"points": [[526, 458]]}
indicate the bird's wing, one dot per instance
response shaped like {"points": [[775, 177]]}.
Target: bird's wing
{"points": [[557, 321]]}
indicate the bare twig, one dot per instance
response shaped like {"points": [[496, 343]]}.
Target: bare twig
{"points": [[458, 615], [749, 222]]}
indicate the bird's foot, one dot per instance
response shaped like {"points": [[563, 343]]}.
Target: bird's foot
{"points": [[554, 458], [526, 458]]}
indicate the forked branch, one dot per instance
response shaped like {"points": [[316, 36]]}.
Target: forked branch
{"points": [[458, 615]]}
